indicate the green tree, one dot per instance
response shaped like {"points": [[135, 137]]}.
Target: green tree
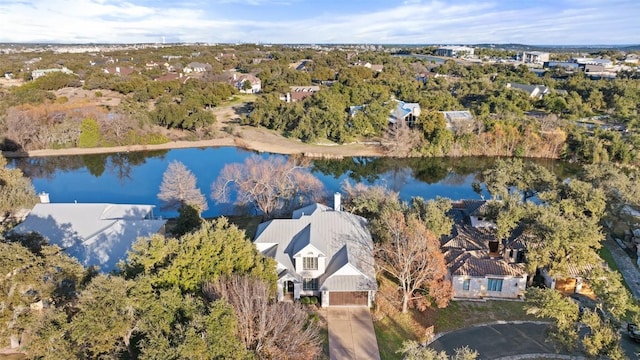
{"points": [[16, 192], [550, 304], [188, 219], [218, 248], [89, 133]]}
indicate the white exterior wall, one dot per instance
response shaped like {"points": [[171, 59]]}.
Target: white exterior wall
{"points": [[512, 287], [311, 273]]}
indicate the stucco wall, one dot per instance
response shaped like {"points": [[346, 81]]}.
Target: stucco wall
{"points": [[512, 287]]}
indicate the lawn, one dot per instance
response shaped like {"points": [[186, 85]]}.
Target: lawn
{"points": [[392, 327], [247, 223]]}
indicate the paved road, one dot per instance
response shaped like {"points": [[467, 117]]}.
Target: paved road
{"points": [[499, 340], [351, 334]]}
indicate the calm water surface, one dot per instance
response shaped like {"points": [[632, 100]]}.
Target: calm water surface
{"points": [[135, 177]]}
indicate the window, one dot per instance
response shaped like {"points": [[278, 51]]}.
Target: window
{"points": [[465, 284], [310, 263], [495, 285], [309, 284]]}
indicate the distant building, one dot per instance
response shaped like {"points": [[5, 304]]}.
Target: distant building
{"points": [[298, 93], [567, 65], [42, 72], [534, 91], [405, 114], [196, 67], [118, 70], [459, 121], [535, 57], [454, 51], [255, 84]]}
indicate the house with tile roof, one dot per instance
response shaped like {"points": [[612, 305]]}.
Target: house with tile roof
{"points": [[321, 251], [95, 234], [479, 264]]}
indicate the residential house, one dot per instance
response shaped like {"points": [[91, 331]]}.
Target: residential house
{"points": [[95, 234], [298, 93], [321, 252], [454, 51], [459, 121], [632, 59], [535, 57], [300, 65], [479, 265], [534, 91], [368, 65], [404, 114], [42, 72], [196, 67], [254, 82], [573, 283], [118, 70]]}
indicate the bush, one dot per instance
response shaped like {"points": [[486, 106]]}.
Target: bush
{"points": [[305, 300], [89, 133], [98, 94]]}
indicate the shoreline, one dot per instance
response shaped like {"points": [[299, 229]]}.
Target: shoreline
{"points": [[270, 144]]}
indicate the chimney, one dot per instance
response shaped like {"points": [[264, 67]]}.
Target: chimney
{"points": [[336, 201], [44, 197]]}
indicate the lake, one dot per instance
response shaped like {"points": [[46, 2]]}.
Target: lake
{"points": [[135, 177]]}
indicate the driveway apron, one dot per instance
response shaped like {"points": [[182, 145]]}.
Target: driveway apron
{"points": [[351, 334]]}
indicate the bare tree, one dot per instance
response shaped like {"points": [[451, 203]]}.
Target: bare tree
{"points": [[271, 330], [273, 185], [411, 254], [179, 188]]}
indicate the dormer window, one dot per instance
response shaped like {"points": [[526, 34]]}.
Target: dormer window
{"points": [[310, 263]]}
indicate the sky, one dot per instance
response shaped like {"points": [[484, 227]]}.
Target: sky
{"points": [[533, 22]]}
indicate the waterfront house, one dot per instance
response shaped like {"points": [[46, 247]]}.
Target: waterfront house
{"points": [[321, 251]]}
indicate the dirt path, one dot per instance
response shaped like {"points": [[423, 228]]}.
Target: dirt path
{"points": [[230, 133]]}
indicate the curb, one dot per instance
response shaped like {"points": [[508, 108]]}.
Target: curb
{"points": [[500, 322]]}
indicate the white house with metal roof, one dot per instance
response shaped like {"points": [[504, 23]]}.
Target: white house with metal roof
{"points": [[95, 234], [322, 252]]}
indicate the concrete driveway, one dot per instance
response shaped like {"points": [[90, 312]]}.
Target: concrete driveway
{"points": [[351, 334], [498, 340]]}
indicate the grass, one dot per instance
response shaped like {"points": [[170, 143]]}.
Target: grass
{"points": [[605, 254], [391, 331], [239, 99], [393, 327]]}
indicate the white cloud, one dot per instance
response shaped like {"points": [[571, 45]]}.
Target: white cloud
{"points": [[413, 21]]}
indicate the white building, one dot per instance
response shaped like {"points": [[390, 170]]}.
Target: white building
{"points": [[535, 57], [454, 51]]}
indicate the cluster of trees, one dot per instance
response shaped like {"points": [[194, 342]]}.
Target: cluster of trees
{"points": [[501, 127], [562, 230], [205, 295], [407, 242]]}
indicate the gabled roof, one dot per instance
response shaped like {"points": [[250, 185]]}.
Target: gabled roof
{"points": [[96, 234], [341, 236], [404, 109]]}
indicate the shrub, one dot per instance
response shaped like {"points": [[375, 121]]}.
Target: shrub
{"points": [[305, 300], [98, 93], [89, 133]]}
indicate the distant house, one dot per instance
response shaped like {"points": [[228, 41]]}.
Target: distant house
{"points": [[118, 70], [322, 252], [196, 67], [459, 121], [479, 265], [95, 234], [534, 91], [535, 57], [300, 65], [368, 65], [254, 83], [42, 72], [632, 59], [454, 51], [422, 77], [298, 93], [353, 110], [404, 114]]}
